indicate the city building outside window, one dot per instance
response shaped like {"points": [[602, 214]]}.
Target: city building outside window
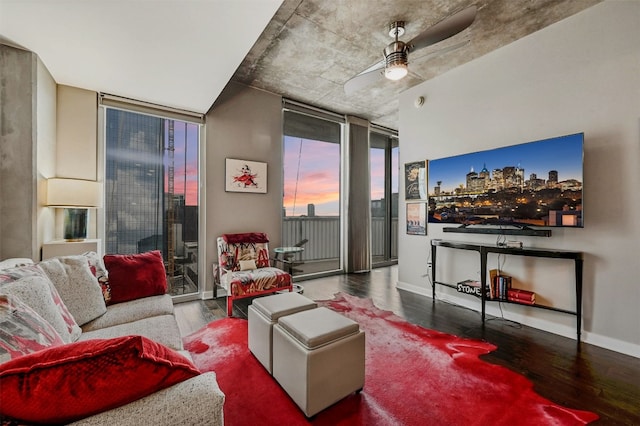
{"points": [[151, 191]]}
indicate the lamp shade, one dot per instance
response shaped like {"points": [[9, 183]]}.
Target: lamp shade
{"points": [[73, 193]]}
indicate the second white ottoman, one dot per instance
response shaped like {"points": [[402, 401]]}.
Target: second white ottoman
{"points": [[318, 358], [263, 313]]}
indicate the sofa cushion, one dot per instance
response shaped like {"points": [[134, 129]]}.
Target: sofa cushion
{"points": [[77, 286], [163, 329], [132, 276], [66, 383], [29, 270], [241, 283], [197, 401], [133, 310], [22, 330]]}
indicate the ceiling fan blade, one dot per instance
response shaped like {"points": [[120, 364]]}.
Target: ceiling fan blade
{"points": [[438, 52], [376, 66], [365, 78], [444, 29]]}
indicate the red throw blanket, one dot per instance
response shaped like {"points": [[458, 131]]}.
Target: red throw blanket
{"points": [[247, 237]]}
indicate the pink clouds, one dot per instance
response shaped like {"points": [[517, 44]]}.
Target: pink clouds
{"points": [[185, 161], [311, 176], [377, 173]]}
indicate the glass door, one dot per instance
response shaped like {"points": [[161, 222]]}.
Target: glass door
{"points": [[311, 193]]}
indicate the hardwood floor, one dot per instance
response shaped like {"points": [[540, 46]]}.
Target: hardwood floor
{"points": [[581, 376]]}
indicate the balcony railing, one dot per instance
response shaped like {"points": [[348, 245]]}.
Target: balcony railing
{"points": [[323, 235], [321, 252]]}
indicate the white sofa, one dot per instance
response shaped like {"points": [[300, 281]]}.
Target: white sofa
{"points": [[197, 400]]}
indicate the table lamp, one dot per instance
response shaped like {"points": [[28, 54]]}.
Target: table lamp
{"points": [[76, 197]]}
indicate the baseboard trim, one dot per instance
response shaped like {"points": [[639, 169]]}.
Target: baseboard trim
{"points": [[612, 344], [591, 338], [414, 288]]}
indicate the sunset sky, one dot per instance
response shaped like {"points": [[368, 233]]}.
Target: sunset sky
{"points": [[312, 176], [185, 140], [377, 172], [311, 172]]}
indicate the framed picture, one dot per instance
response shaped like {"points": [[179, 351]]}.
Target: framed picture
{"points": [[415, 180], [245, 176], [416, 218]]}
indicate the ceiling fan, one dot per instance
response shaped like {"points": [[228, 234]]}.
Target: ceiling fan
{"points": [[394, 64]]}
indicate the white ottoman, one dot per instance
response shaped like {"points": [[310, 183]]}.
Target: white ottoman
{"points": [[318, 358], [264, 313]]}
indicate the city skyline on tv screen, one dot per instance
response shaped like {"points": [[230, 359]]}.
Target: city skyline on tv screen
{"points": [[536, 183]]}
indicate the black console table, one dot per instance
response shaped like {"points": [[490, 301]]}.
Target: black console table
{"points": [[484, 250]]}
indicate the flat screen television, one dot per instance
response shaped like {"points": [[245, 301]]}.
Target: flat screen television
{"points": [[531, 184]]}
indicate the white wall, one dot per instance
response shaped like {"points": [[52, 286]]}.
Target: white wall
{"points": [[579, 75], [77, 147], [77, 133], [46, 124]]}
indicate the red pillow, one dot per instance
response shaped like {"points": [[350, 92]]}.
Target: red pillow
{"points": [[67, 383], [132, 276]]}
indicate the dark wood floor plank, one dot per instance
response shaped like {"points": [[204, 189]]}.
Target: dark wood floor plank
{"points": [[580, 376]]}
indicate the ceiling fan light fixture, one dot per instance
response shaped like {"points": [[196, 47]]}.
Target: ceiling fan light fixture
{"points": [[395, 62], [395, 55], [396, 71]]}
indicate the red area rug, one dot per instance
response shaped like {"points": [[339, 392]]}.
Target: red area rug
{"points": [[414, 376]]}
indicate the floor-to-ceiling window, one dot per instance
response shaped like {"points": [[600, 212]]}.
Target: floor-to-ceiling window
{"points": [[311, 194], [384, 198], [151, 175]]}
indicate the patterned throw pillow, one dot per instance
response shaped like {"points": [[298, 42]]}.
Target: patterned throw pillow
{"points": [[106, 292], [35, 292], [22, 330], [73, 331], [63, 384], [100, 272], [77, 286], [95, 263], [15, 262], [16, 272], [248, 265]]}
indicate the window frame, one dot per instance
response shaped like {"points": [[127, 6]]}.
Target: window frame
{"points": [[130, 105], [289, 106]]}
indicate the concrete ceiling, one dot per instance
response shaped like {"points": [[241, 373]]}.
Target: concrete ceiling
{"points": [[181, 53], [312, 47]]}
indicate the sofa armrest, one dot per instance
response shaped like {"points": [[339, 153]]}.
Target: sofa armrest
{"points": [[197, 401]]}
